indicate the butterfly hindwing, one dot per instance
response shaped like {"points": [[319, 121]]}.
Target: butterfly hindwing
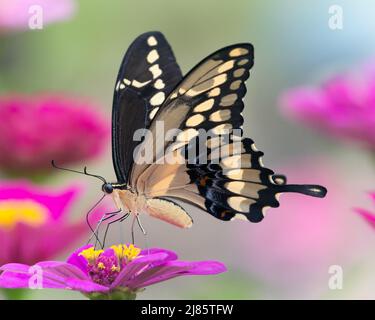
{"points": [[147, 75]]}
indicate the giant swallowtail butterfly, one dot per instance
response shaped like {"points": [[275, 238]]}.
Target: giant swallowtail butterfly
{"points": [[150, 89]]}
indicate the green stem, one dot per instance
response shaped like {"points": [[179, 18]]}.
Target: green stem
{"points": [[14, 294], [117, 294]]}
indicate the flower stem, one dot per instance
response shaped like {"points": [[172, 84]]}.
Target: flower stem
{"points": [[118, 294], [14, 294]]}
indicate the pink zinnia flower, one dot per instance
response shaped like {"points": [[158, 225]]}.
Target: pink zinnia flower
{"points": [[367, 215], [343, 107], [34, 222], [118, 272], [38, 129], [15, 14]]}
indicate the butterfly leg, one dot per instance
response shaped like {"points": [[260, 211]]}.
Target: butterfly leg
{"points": [[136, 218], [143, 231], [121, 219], [95, 232], [133, 222], [140, 225]]}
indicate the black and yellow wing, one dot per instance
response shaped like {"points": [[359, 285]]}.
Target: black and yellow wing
{"points": [[147, 75], [207, 162]]}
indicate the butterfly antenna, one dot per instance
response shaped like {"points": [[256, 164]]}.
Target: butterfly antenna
{"points": [[80, 172], [65, 169], [93, 175]]}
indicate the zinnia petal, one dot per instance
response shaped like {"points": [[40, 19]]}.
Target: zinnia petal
{"points": [[174, 269]]}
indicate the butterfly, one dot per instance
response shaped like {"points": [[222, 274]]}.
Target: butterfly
{"points": [[150, 89]]}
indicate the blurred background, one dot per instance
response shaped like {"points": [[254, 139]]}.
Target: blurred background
{"points": [[71, 64]]}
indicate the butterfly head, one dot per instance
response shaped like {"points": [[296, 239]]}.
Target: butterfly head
{"points": [[107, 188]]}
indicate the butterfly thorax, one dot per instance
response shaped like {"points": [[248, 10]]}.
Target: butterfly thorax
{"points": [[128, 201]]}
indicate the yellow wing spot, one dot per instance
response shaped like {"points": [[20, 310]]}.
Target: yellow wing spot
{"points": [[228, 100], [159, 84], [215, 142], [207, 85], [236, 161], [242, 62], [214, 92], [204, 106], [238, 52], [117, 85], [155, 70], [239, 72], [174, 95], [152, 56], [244, 174], [240, 203], [246, 189], [235, 84], [157, 99], [226, 66], [187, 135], [138, 84], [195, 120], [222, 128], [153, 112], [151, 41], [221, 115]]}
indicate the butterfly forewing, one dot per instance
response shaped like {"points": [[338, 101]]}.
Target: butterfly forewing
{"points": [[147, 75]]}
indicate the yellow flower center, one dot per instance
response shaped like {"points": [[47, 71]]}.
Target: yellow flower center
{"points": [[91, 254], [104, 266], [129, 253], [14, 211]]}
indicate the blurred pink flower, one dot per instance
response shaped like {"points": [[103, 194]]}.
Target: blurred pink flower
{"points": [[367, 215], [293, 248], [15, 14], [343, 107], [38, 129], [34, 222]]}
